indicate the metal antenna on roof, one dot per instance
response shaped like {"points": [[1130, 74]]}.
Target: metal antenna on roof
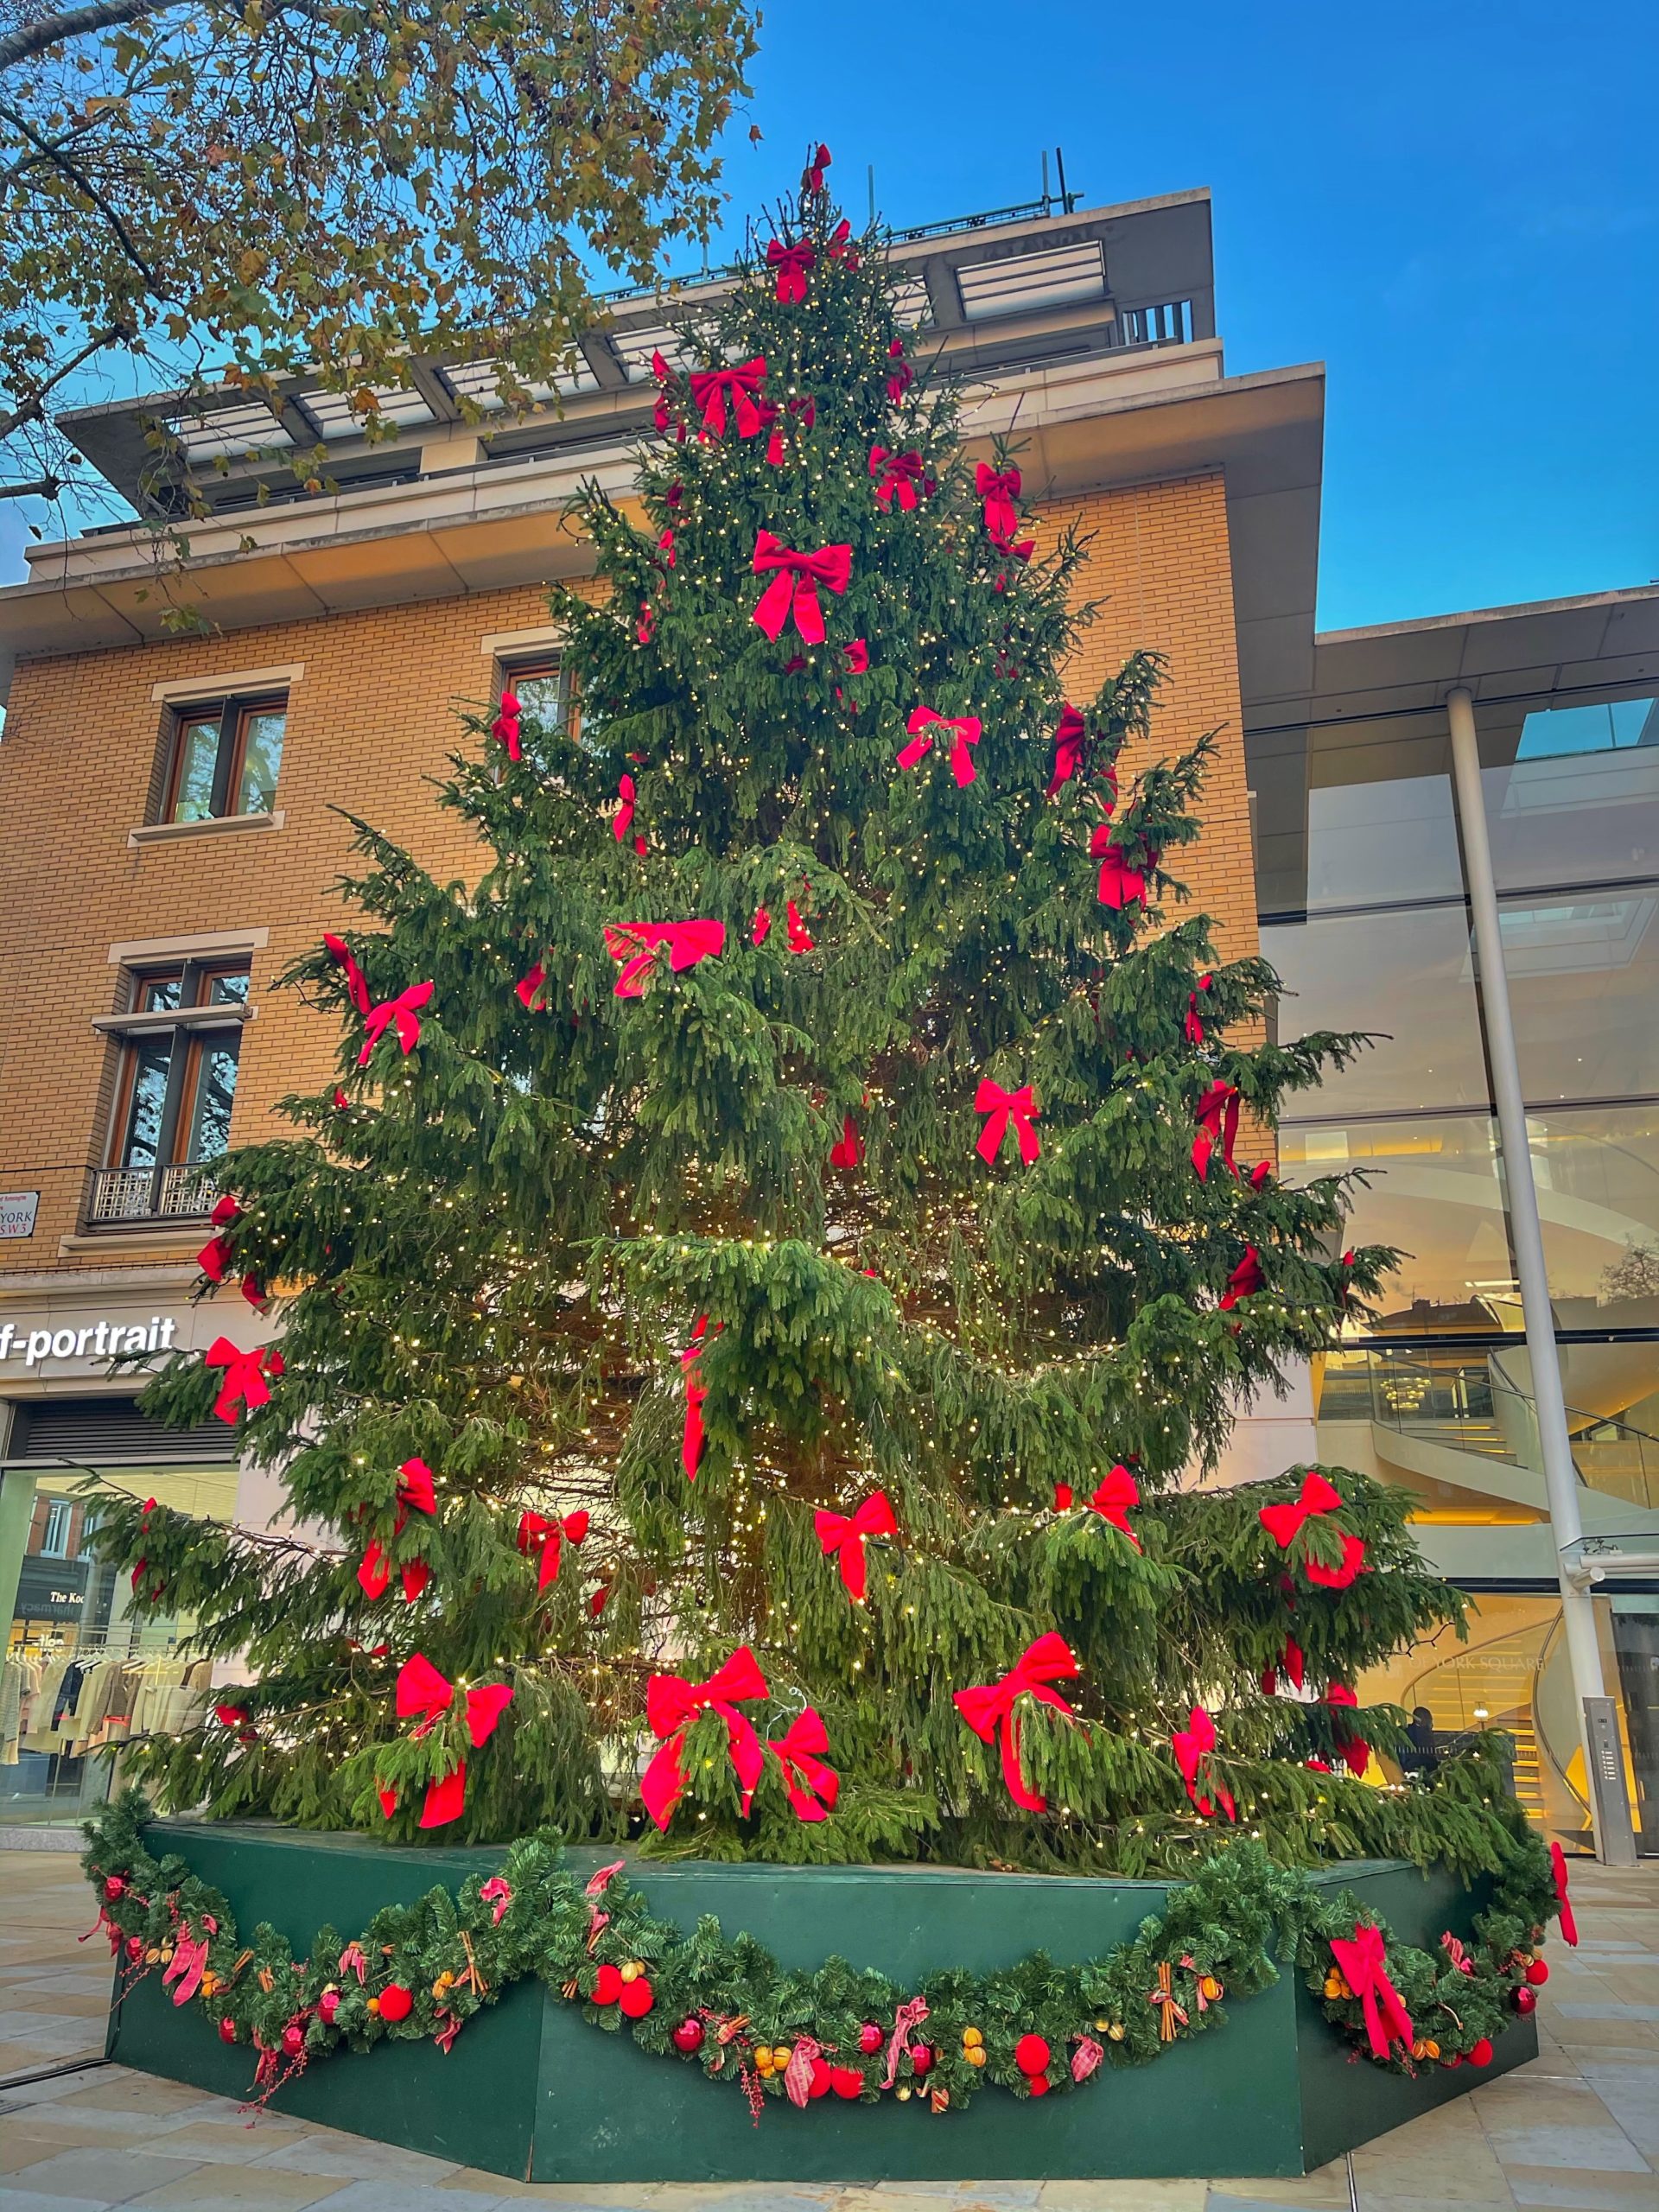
{"points": [[1046, 193], [1059, 164]]}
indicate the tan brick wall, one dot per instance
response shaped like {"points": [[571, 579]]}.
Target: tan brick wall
{"points": [[372, 718]]}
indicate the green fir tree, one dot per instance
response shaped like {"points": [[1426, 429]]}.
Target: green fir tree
{"points": [[739, 1172]]}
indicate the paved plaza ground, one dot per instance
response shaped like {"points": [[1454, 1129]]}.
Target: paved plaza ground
{"points": [[1578, 2131]]}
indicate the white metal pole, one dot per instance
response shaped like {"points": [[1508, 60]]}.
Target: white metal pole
{"points": [[1561, 1476]]}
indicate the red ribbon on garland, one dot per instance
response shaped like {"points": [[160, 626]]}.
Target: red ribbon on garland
{"points": [[633, 944], [672, 1703], [901, 476], [844, 1535], [794, 587], [1363, 1959], [999, 489], [989, 1709], [710, 388], [967, 728], [244, 1382], [1068, 746], [402, 1013], [789, 264], [811, 1784], [543, 1539], [1217, 1116], [1018, 1107], [1113, 1498]]}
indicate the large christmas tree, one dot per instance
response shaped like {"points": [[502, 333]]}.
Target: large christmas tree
{"points": [[785, 1225]]}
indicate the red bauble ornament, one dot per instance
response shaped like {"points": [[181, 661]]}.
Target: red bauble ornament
{"points": [[688, 2036], [636, 1999], [608, 1986], [328, 2006], [847, 2081], [820, 2085], [115, 1886], [870, 2038], [1538, 1974], [396, 2002], [1524, 2000], [921, 2058], [227, 2030], [293, 2041], [1031, 2054], [134, 1946], [1037, 2084], [1482, 2053]]}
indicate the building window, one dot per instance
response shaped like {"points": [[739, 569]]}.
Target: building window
{"points": [[543, 689], [54, 1534], [175, 1089], [224, 757]]}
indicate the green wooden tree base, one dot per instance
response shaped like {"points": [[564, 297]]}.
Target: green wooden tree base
{"points": [[531, 2089]]}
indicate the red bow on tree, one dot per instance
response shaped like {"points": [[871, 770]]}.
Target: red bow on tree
{"points": [[1217, 1116], [548, 1538], [505, 728], [899, 378], [1121, 885], [1292, 1660], [998, 488], [1283, 1522], [215, 1257], [1557, 1872], [672, 1704], [664, 377], [857, 654], [811, 1785], [1363, 1960], [848, 1151], [1244, 1281], [900, 476], [244, 1380], [1356, 1752], [1113, 1498], [790, 263], [967, 728], [634, 944], [416, 1494], [1068, 747], [403, 1013], [1018, 1107], [709, 391], [840, 247], [989, 1710], [844, 1535], [357, 983], [794, 586], [528, 987], [812, 176], [422, 1689], [696, 1392], [1194, 1019], [622, 821], [1193, 1746]]}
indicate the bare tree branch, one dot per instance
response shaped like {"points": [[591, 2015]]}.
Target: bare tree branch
{"points": [[44, 488], [82, 183], [33, 409], [30, 38]]}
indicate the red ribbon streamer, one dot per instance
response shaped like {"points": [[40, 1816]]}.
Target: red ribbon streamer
{"points": [[1558, 1870], [900, 378], [909, 2015], [634, 944], [1363, 1959], [357, 983], [546, 1539], [1121, 885], [989, 1708], [696, 1392], [1068, 746], [1194, 1019], [672, 1703], [844, 1535], [415, 1493], [1192, 1746], [1018, 1107], [1245, 1280], [849, 1150], [711, 389], [901, 476], [1293, 1661], [1217, 1116], [999, 489], [794, 587], [967, 728], [622, 820], [505, 728], [811, 1785], [403, 1013], [790, 263], [244, 1380], [1113, 1498]]}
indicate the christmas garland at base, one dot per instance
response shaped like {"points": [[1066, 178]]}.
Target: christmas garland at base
{"points": [[725, 2004]]}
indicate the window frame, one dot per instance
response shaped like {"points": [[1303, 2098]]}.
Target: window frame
{"points": [[528, 663], [235, 710], [187, 1034]]}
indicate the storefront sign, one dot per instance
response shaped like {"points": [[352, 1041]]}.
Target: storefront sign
{"points": [[17, 1212], [33, 1347], [51, 1589]]}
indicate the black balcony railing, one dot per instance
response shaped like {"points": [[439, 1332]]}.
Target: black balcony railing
{"points": [[121, 1196]]}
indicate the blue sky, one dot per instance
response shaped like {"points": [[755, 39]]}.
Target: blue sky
{"points": [[1456, 208]]}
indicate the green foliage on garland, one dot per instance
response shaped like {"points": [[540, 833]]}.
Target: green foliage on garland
{"points": [[1219, 1936]]}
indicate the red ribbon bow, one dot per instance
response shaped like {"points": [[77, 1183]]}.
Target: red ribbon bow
{"points": [[1293, 1661], [1194, 1019], [811, 1785], [403, 1012], [1018, 1107], [505, 728], [794, 586], [1217, 1116], [845, 1534], [1244, 1281], [1120, 884], [538, 1536], [903, 376], [634, 946], [1363, 1960], [1068, 746], [998, 488], [1455, 1952], [909, 2015], [1355, 1751], [357, 983], [1558, 1870], [415, 1493], [990, 1707], [422, 1689], [622, 821], [812, 178], [1192, 1746], [244, 1380], [710, 389], [1316, 1497], [967, 728], [672, 1703], [848, 1151], [1112, 1500], [696, 1392], [840, 247], [900, 476], [790, 264]]}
